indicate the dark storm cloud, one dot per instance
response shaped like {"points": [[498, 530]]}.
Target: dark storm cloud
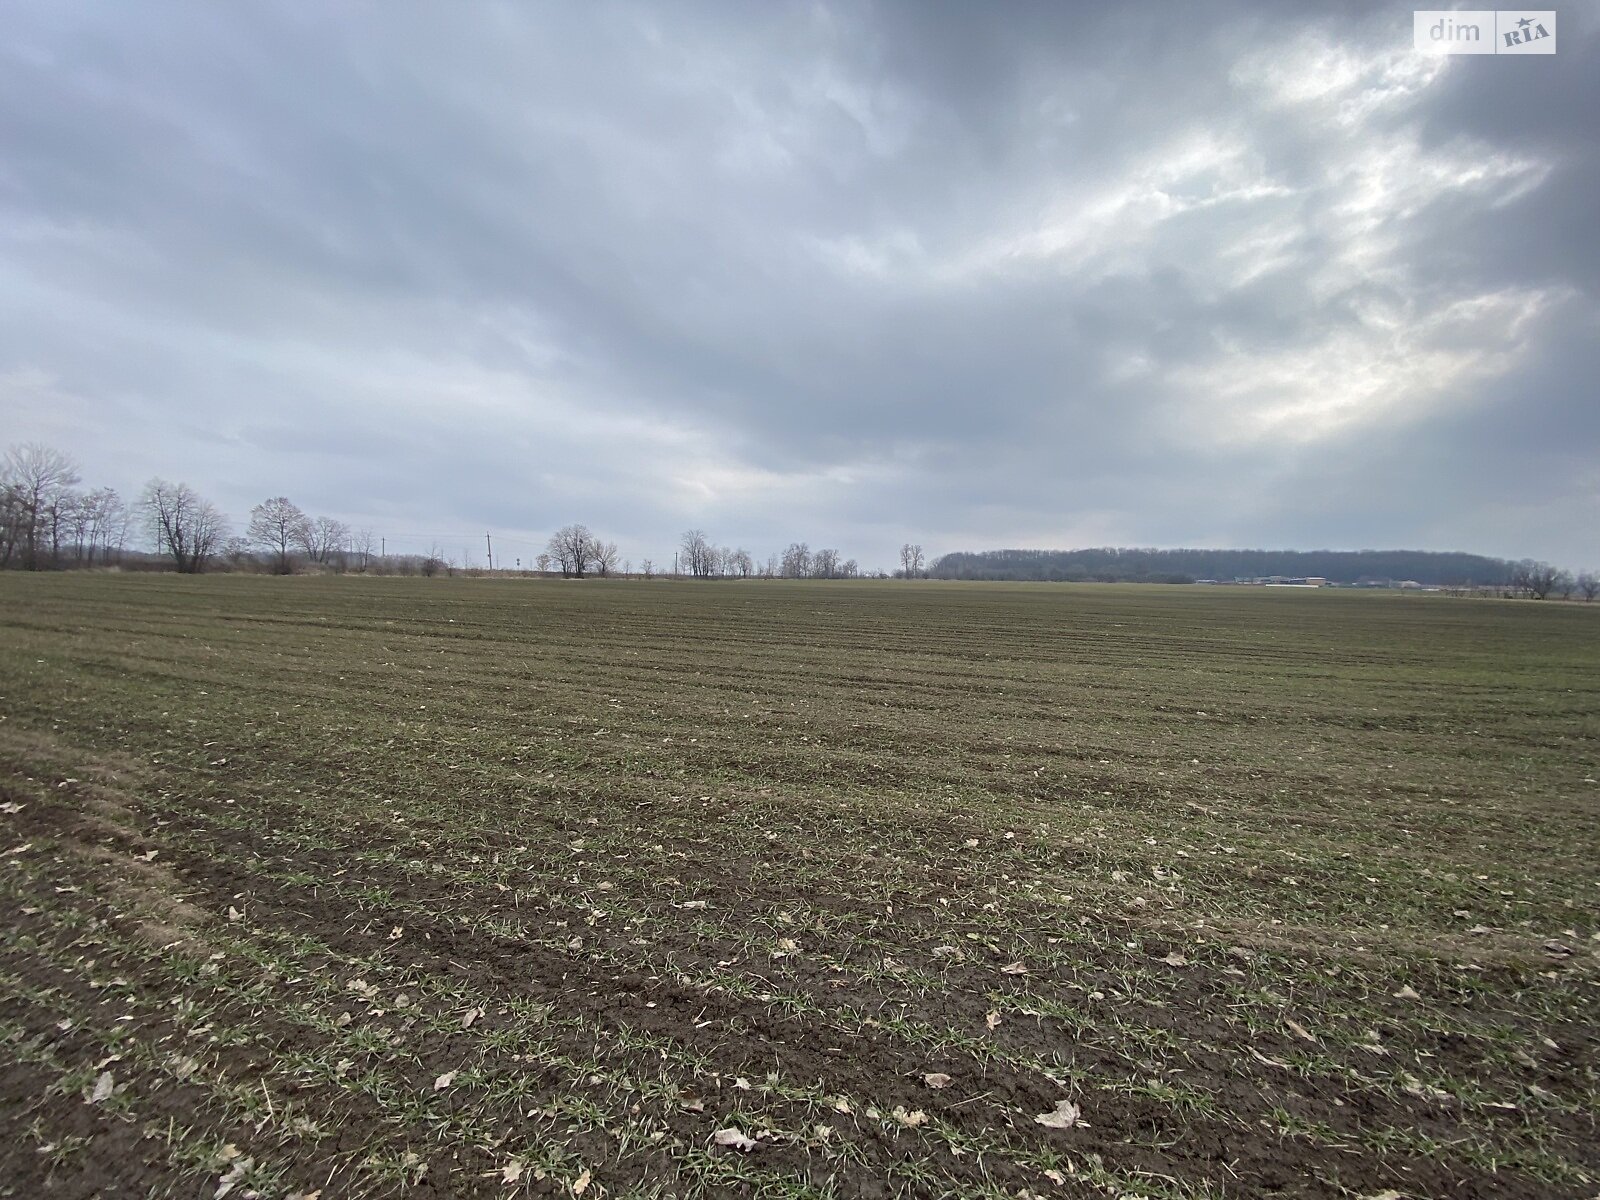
{"points": [[977, 275]]}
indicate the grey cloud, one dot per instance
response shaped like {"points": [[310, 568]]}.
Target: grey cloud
{"points": [[841, 273]]}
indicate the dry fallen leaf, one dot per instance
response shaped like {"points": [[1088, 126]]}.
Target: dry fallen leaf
{"points": [[909, 1119], [1065, 1116], [1425, 1091], [444, 1081], [992, 1020], [1408, 993], [233, 1178], [936, 1079], [102, 1088], [512, 1172], [581, 1184], [1299, 1030], [1175, 959], [1015, 968], [732, 1137]]}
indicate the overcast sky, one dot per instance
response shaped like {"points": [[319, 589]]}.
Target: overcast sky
{"points": [[976, 275]]}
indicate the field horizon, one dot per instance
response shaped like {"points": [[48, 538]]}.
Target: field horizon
{"points": [[339, 886]]}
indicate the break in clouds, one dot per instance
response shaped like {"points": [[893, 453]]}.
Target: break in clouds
{"points": [[975, 275]]}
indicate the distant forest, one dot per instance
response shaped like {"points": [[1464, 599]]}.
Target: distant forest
{"points": [[1112, 565], [47, 522]]}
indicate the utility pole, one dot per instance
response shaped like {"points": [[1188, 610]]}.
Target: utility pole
{"points": [[490, 545], [383, 547]]}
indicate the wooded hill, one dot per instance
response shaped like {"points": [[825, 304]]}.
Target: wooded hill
{"points": [[1110, 564]]}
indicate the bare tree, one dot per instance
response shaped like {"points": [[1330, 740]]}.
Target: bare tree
{"points": [[324, 538], [108, 528], [1564, 584], [364, 543], [14, 522], [740, 563], [1535, 579], [825, 564], [278, 526], [603, 557], [35, 479], [185, 526], [98, 518], [1589, 585], [573, 547], [543, 563], [62, 512], [911, 561], [698, 554], [82, 518], [647, 569], [335, 538], [797, 561]]}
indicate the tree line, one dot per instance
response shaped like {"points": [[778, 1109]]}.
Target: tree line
{"points": [[1457, 572], [45, 520], [699, 558], [1539, 580], [48, 521]]}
